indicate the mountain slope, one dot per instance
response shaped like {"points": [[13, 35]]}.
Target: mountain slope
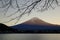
{"points": [[36, 21], [6, 29]]}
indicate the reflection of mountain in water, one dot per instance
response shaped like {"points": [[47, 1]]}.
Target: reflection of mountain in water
{"points": [[36, 24]]}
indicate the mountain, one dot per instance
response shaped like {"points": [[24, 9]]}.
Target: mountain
{"points": [[37, 21], [5, 29], [36, 24]]}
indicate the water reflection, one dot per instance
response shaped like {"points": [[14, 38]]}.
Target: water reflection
{"points": [[29, 36]]}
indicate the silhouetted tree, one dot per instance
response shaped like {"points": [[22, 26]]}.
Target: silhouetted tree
{"points": [[27, 7]]}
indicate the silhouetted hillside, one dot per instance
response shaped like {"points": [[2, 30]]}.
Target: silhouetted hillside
{"points": [[26, 28], [6, 29]]}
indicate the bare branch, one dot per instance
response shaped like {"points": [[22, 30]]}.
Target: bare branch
{"points": [[26, 9]]}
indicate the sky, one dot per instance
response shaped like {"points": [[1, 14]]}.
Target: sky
{"points": [[51, 16]]}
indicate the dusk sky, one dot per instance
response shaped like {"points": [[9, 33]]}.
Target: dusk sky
{"points": [[51, 16]]}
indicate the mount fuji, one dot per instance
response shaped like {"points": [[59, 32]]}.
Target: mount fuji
{"points": [[36, 24]]}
